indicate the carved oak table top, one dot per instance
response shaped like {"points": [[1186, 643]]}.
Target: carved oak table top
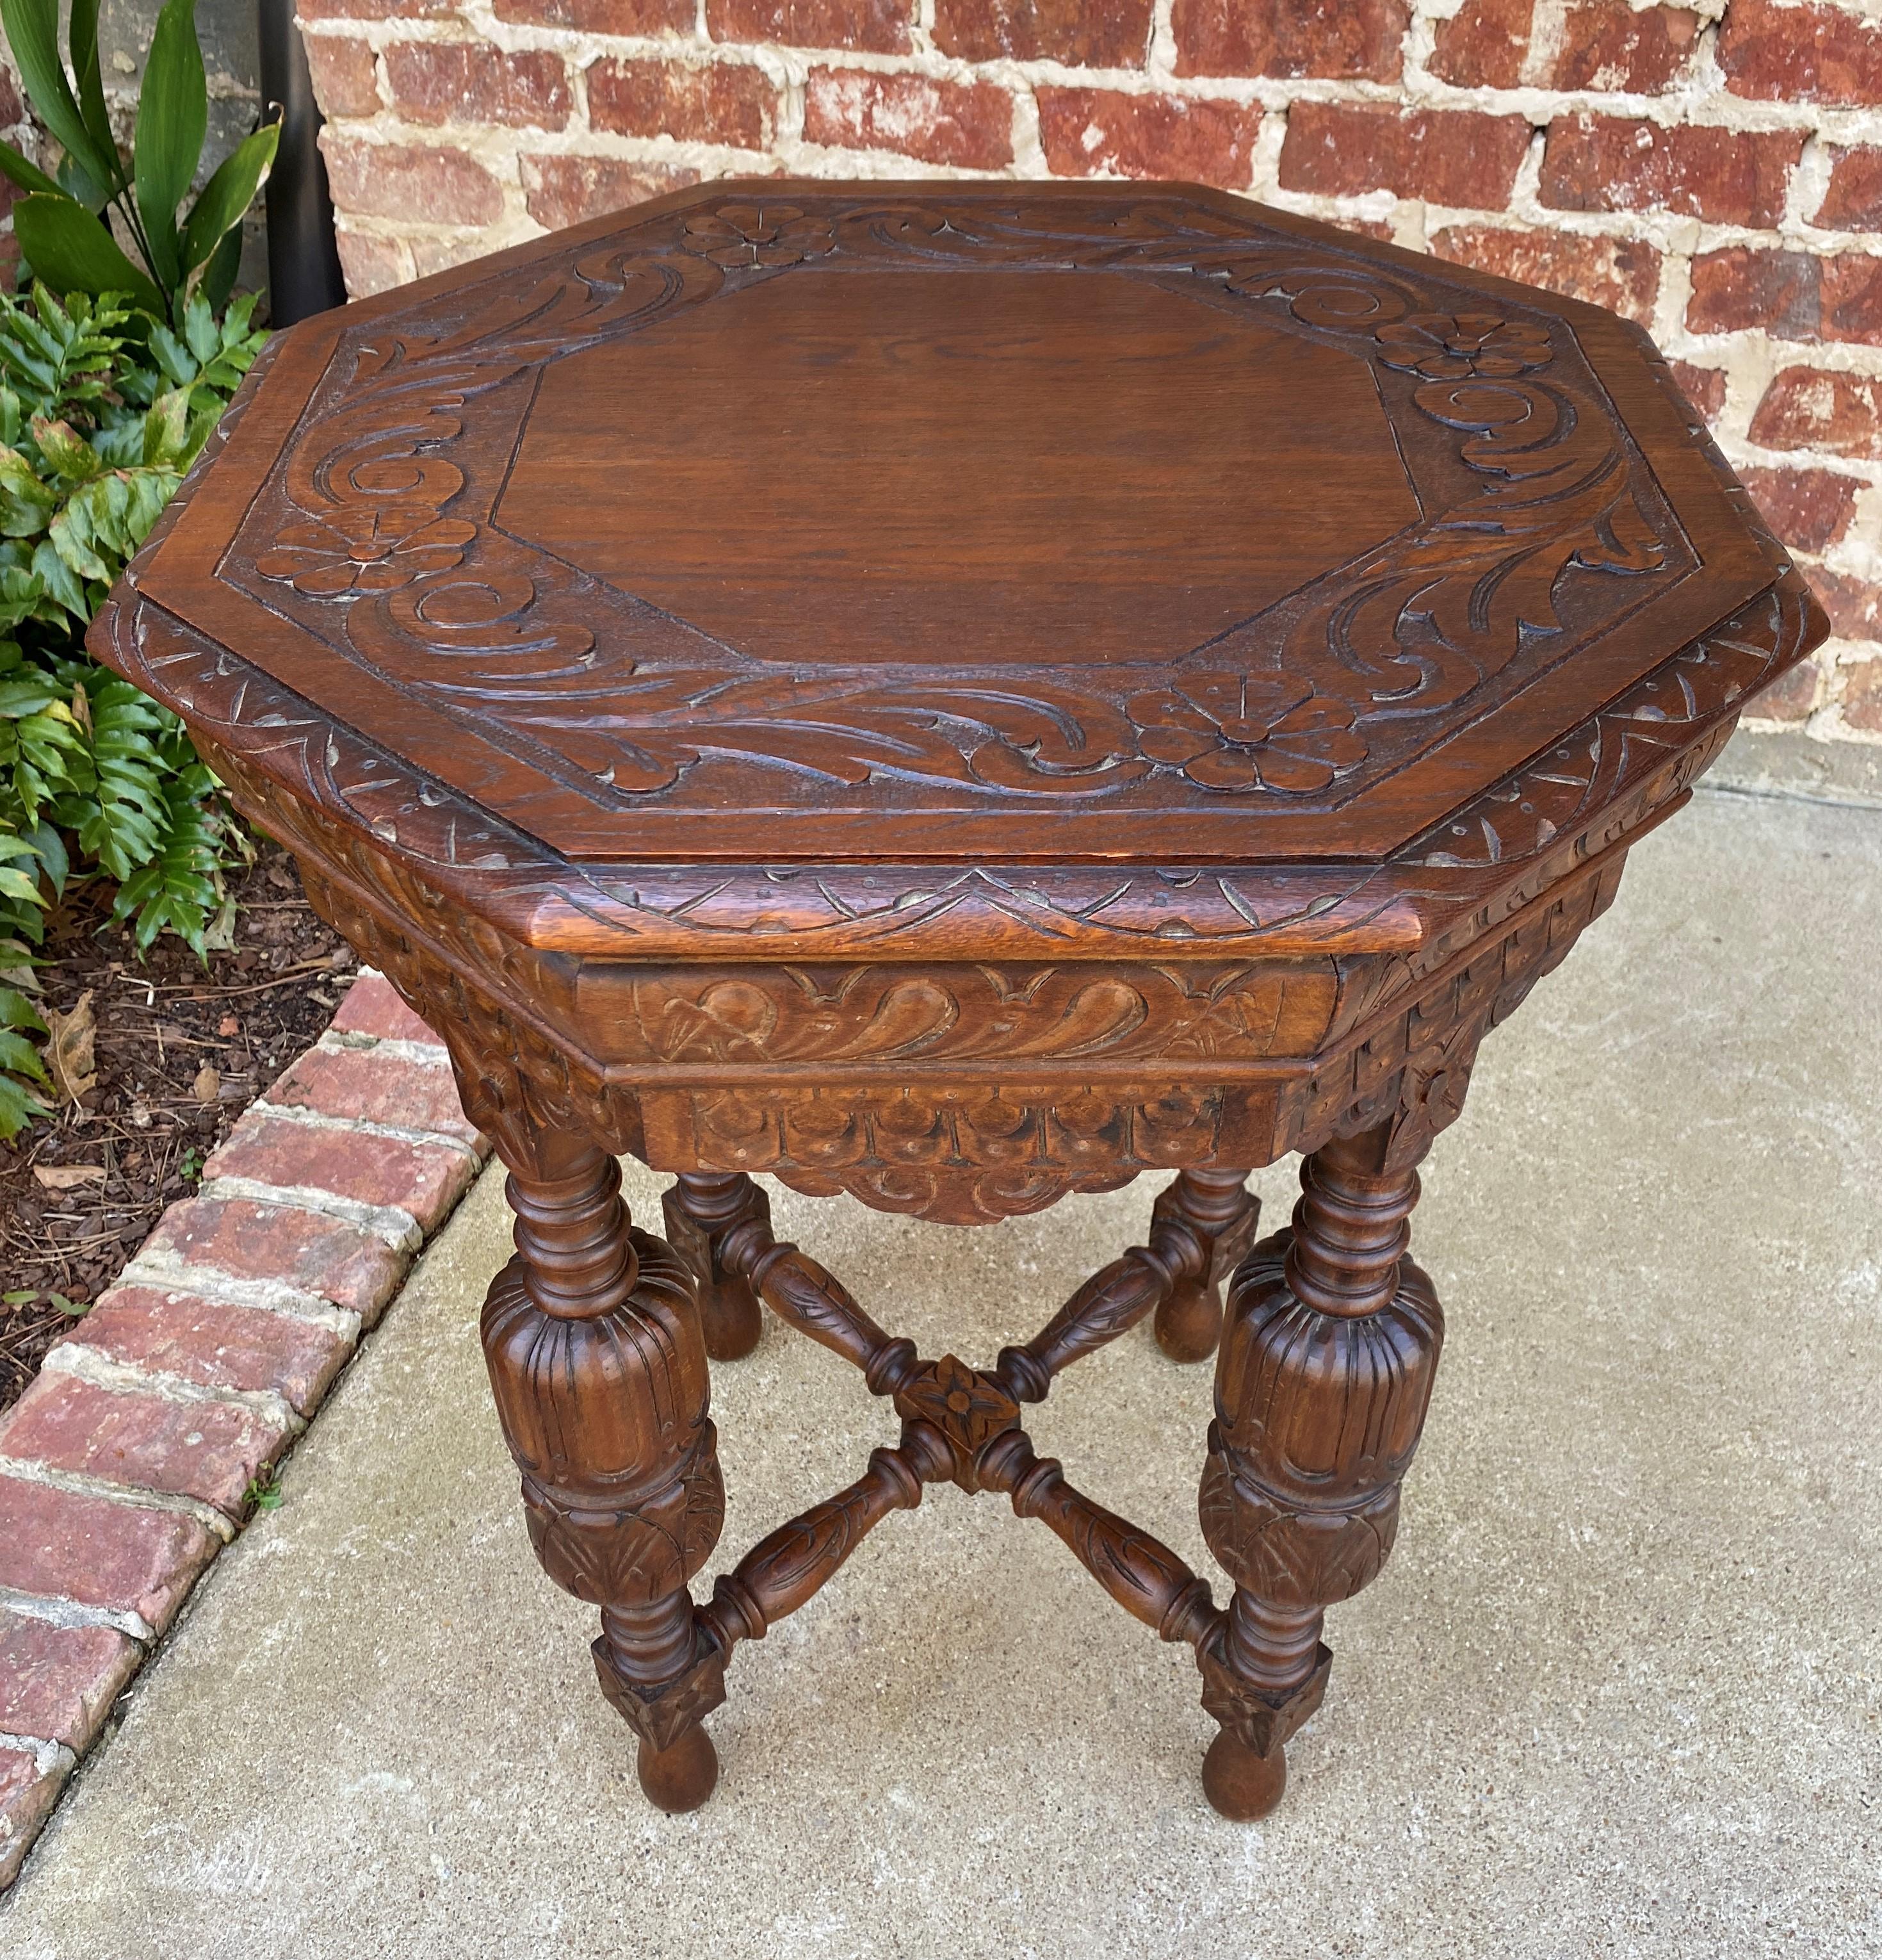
{"points": [[959, 693]]}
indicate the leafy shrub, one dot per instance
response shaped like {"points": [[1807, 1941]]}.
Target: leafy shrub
{"points": [[62, 223], [101, 411]]}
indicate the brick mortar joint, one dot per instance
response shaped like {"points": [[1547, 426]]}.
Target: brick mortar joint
{"points": [[54, 1610], [304, 1118], [390, 1223], [185, 1279], [78, 1359], [48, 1758], [113, 1491]]}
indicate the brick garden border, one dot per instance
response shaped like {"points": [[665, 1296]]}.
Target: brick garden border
{"points": [[126, 1466]]}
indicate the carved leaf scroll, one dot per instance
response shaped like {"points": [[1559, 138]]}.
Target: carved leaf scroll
{"points": [[1531, 487]]}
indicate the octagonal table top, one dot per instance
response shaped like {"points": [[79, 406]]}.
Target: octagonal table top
{"points": [[974, 561]]}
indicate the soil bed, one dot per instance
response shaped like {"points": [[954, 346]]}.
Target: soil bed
{"points": [[180, 1051]]}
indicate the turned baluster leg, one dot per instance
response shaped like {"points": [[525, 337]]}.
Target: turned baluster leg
{"points": [[1321, 1386], [701, 1209], [592, 1338], [1218, 1206]]}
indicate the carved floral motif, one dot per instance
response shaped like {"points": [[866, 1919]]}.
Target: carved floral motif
{"points": [[1247, 731], [1444, 347], [377, 510]]}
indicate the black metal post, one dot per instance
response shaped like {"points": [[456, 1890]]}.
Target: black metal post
{"points": [[303, 262]]}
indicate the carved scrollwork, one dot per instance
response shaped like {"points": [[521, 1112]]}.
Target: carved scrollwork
{"points": [[385, 514]]}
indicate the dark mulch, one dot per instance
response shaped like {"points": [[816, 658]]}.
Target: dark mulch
{"points": [[180, 1053]]}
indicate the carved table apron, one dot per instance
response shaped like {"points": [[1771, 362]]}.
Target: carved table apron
{"points": [[958, 694]]}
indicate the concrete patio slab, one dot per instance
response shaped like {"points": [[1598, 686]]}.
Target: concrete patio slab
{"points": [[1620, 1690]]}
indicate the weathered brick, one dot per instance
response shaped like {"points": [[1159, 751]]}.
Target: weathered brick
{"points": [[1704, 387], [1451, 157], [1795, 295], [1854, 605], [880, 26], [315, 1254], [602, 17], [559, 191], [1808, 407], [26, 1798], [1610, 46], [120, 1557], [466, 81], [406, 180], [1853, 201], [374, 9], [425, 1179], [1623, 273], [345, 77], [371, 265], [1115, 33], [1793, 696], [1861, 691], [1810, 510], [1086, 131], [1362, 40], [1746, 287], [365, 1084], [1851, 308], [12, 105], [219, 1346], [1614, 163], [372, 1006], [58, 1683], [721, 102], [204, 1449], [1808, 53], [1483, 45], [966, 125]]}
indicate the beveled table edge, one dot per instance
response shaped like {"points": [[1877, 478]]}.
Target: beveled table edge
{"points": [[1495, 851]]}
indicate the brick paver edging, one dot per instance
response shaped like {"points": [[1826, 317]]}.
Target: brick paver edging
{"points": [[126, 1466]]}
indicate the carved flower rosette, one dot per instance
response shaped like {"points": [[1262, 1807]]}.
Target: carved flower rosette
{"points": [[1527, 497]]}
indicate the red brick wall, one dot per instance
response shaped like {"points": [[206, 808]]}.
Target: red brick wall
{"points": [[1716, 173]]}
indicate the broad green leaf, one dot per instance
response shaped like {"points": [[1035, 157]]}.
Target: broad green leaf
{"points": [[76, 181], [82, 34], [173, 118], [179, 364], [70, 248], [60, 583], [27, 176], [218, 276], [166, 427], [50, 847], [32, 32], [70, 455], [18, 1107], [227, 195], [200, 333]]}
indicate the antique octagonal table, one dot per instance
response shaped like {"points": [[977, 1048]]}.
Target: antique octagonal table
{"points": [[959, 693]]}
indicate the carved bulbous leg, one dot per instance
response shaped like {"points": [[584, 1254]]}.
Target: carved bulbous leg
{"points": [[592, 1338], [1321, 1386], [701, 1208], [1218, 1206]]}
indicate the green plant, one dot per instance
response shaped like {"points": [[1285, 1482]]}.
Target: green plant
{"points": [[264, 1489], [96, 428], [64, 231]]}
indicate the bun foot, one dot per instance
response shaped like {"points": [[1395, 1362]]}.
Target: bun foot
{"points": [[1188, 1322], [730, 1319], [1240, 1784], [680, 1778]]}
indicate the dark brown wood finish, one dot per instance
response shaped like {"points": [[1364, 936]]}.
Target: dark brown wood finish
{"points": [[957, 694]]}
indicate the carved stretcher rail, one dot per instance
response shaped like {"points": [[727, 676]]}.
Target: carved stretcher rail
{"points": [[960, 1424]]}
